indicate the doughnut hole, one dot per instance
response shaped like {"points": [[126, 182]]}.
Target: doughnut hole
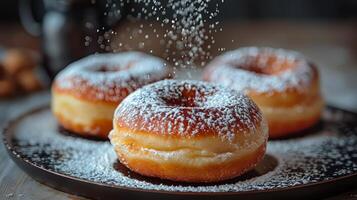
{"points": [[112, 68], [265, 64], [188, 98]]}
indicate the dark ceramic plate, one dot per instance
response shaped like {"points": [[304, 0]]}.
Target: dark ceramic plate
{"points": [[320, 162]]}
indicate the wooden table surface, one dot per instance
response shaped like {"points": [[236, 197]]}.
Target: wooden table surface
{"points": [[332, 45]]}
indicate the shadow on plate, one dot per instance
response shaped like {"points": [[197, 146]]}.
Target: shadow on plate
{"points": [[268, 164], [66, 132]]}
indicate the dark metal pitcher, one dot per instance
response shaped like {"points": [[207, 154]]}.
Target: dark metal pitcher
{"points": [[69, 29]]}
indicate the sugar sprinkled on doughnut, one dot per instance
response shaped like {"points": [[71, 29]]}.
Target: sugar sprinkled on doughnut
{"points": [[112, 76], [235, 65], [188, 108]]}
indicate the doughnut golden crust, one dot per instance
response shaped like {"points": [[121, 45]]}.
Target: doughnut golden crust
{"points": [[86, 93], [282, 83], [188, 131]]}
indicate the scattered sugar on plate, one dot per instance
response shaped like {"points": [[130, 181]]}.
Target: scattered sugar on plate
{"points": [[326, 154]]}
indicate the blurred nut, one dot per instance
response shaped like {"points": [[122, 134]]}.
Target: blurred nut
{"points": [[7, 88], [17, 60], [2, 72], [28, 81]]}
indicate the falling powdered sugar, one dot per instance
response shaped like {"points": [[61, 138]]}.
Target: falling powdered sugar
{"points": [[184, 28]]}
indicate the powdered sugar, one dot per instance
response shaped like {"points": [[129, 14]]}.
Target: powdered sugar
{"points": [[112, 76], [188, 108], [234, 69], [328, 153], [185, 29]]}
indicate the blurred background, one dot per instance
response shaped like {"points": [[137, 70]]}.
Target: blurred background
{"points": [[62, 31], [253, 9]]}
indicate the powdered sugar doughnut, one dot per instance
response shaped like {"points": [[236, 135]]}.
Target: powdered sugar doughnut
{"points": [[189, 131], [283, 83], [86, 93]]}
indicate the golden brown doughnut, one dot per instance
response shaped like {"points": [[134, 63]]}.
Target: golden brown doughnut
{"points": [[189, 131], [16, 60], [86, 93], [283, 84]]}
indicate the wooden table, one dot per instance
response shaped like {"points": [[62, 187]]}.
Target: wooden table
{"points": [[332, 45]]}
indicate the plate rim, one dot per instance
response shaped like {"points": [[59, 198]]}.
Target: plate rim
{"points": [[16, 157]]}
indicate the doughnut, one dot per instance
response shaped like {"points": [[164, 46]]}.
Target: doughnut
{"points": [[189, 131], [17, 60], [283, 83], [86, 93]]}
